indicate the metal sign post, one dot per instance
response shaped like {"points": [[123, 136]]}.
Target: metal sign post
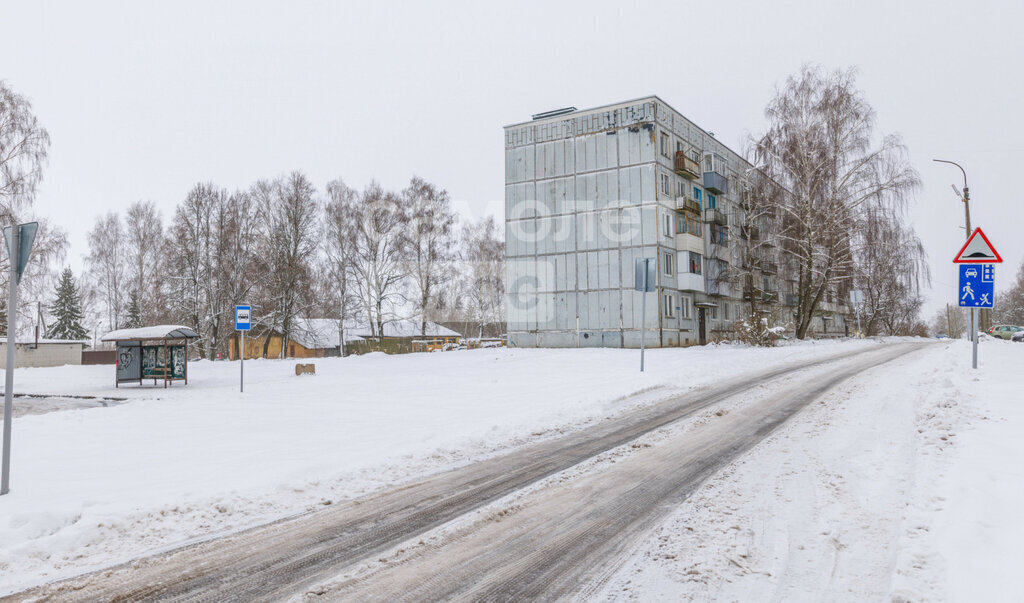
{"points": [[243, 322], [19, 246], [856, 297], [977, 280], [644, 279]]}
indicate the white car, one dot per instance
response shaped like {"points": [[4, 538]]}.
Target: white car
{"points": [[1018, 336], [971, 273]]}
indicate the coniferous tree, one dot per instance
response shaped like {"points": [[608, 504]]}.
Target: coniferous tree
{"points": [[134, 318], [67, 309]]}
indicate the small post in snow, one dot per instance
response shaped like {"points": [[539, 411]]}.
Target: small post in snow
{"points": [[644, 279], [243, 322], [19, 246]]}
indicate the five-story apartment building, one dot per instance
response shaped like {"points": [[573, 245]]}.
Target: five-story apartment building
{"points": [[589, 192]]}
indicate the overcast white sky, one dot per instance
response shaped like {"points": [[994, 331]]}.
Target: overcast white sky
{"points": [[144, 99]]}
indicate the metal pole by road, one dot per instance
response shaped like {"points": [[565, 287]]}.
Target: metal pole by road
{"points": [[241, 363], [643, 281], [643, 316], [966, 198], [974, 315], [12, 317]]}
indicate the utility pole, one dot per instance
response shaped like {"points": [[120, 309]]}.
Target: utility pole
{"points": [[966, 197]]}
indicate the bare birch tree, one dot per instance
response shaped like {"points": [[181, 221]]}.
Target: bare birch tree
{"points": [[483, 290], [288, 212], [380, 266], [144, 243], [341, 224], [108, 266], [24, 146], [892, 269], [819, 146], [192, 249], [429, 245]]}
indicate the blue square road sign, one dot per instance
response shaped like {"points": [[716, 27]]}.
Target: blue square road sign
{"points": [[243, 318], [977, 286]]}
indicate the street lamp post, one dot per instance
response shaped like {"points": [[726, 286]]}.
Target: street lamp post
{"points": [[966, 197]]}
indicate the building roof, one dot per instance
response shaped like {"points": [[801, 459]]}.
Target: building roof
{"points": [[32, 341], [652, 98], [408, 328], [154, 332], [315, 333]]}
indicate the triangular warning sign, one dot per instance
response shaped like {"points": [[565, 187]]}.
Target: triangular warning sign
{"points": [[977, 250]]}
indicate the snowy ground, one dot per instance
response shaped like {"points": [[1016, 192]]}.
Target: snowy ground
{"points": [[904, 484], [95, 486]]}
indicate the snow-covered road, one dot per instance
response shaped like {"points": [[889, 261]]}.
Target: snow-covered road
{"points": [[94, 487]]}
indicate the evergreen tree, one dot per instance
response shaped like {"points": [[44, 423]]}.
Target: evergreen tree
{"points": [[67, 309], [134, 318]]}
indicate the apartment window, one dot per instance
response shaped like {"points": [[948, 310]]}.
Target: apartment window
{"points": [[714, 312], [670, 305], [712, 201], [708, 167], [665, 186], [695, 263], [669, 263], [665, 144], [679, 146], [689, 223], [719, 235], [698, 195], [680, 189], [668, 225], [685, 305], [725, 311]]}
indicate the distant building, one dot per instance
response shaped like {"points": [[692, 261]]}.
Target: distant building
{"points": [[589, 192], [320, 337], [44, 352]]}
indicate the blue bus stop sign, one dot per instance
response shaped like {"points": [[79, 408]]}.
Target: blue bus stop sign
{"points": [[977, 286], [243, 318]]}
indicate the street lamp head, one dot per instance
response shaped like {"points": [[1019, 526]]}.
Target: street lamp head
{"points": [[959, 193]]}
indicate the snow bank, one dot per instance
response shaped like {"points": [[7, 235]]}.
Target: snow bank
{"points": [[902, 484]]}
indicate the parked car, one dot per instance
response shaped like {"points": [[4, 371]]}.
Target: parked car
{"points": [[1018, 336], [1004, 331]]}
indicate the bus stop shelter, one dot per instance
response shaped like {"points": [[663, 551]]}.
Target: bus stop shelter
{"points": [[159, 353]]}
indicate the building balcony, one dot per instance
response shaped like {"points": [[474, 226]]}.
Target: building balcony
{"points": [[688, 204], [686, 167], [687, 281], [716, 216], [716, 183], [718, 250], [765, 295], [719, 287]]}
